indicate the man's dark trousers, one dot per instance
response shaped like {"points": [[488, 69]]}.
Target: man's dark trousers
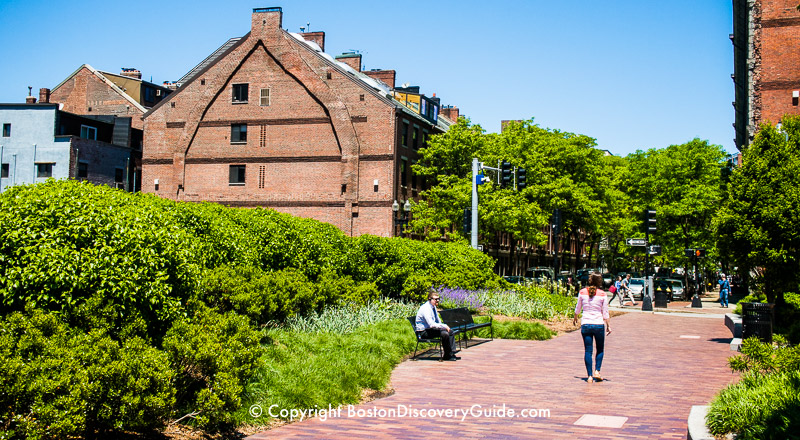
{"points": [[447, 337]]}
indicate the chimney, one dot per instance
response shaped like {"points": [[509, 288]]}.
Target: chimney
{"points": [[317, 37], [386, 76], [172, 85], [44, 95], [266, 18], [130, 72], [449, 112], [352, 59], [30, 100]]}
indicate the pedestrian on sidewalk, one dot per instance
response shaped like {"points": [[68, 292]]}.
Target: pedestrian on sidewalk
{"points": [[626, 291], [429, 326], [593, 304], [616, 290], [724, 291]]}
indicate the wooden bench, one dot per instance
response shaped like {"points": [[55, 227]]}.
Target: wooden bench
{"points": [[460, 320], [437, 340]]}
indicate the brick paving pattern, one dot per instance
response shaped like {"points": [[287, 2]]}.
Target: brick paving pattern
{"points": [[653, 377]]}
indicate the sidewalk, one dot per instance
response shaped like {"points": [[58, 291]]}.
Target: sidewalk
{"points": [[656, 367]]}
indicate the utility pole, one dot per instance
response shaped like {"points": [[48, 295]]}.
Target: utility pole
{"points": [[476, 167]]}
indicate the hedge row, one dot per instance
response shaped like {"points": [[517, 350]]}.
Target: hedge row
{"points": [[123, 311]]}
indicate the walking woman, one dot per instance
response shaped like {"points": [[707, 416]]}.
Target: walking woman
{"points": [[593, 302]]}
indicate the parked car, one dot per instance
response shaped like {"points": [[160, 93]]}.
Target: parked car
{"points": [[608, 280], [515, 279], [540, 274], [676, 288], [583, 275], [637, 288]]}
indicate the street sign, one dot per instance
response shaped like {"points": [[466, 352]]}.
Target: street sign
{"points": [[636, 242]]}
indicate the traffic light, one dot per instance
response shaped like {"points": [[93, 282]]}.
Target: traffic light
{"points": [[699, 253], [467, 221], [689, 253], [521, 179], [505, 174], [650, 220]]}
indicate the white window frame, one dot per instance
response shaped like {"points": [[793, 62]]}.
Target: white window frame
{"points": [[89, 129], [268, 97]]}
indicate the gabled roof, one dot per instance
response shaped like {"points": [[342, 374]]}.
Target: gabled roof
{"points": [[374, 86], [210, 60], [108, 82]]}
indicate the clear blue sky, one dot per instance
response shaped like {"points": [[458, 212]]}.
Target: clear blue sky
{"points": [[633, 74]]}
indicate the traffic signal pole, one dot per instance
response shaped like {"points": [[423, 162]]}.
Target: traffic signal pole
{"points": [[476, 167]]}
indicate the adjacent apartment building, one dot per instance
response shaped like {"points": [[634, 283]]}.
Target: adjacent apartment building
{"points": [[766, 47], [39, 142], [271, 120]]}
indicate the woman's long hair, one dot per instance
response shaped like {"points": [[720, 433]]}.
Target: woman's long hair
{"points": [[595, 282]]}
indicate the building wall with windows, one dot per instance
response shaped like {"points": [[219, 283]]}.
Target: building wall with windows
{"points": [[44, 142], [766, 40], [29, 151], [272, 121]]}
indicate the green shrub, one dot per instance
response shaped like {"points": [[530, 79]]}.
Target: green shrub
{"points": [[57, 382], [758, 407], [304, 370], [765, 403], [215, 355], [753, 297], [530, 302], [524, 330], [348, 318]]}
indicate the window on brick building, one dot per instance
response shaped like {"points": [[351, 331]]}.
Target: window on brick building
{"points": [[238, 133], [88, 132], [425, 139], [6, 130], [414, 138], [405, 135], [4, 171], [403, 171], [83, 170], [240, 92], [44, 170], [118, 175], [236, 175], [265, 97], [413, 177]]}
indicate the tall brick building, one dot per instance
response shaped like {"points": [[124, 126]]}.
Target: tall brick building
{"points": [[766, 45], [271, 120]]}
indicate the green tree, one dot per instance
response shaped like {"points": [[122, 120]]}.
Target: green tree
{"points": [[683, 184], [759, 225]]}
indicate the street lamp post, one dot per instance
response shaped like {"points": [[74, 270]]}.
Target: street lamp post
{"points": [[401, 217]]}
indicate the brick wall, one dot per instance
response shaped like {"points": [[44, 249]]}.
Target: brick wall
{"points": [[86, 94], [777, 73], [315, 151]]}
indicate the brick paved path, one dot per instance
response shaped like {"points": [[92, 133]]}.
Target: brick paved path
{"points": [[656, 366]]}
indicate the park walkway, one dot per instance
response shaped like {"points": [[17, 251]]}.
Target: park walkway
{"points": [[656, 367]]}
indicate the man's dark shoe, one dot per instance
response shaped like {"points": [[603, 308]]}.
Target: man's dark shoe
{"points": [[452, 358]]}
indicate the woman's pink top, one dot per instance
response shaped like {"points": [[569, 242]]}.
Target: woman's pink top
{"points": [[594, 309]]}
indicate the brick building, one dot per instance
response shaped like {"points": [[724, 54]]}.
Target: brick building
{"points": [[766, 47], [270, 119], [88, 91]]}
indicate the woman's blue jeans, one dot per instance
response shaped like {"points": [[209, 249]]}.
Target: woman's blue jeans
{"points": [[596, 332]]}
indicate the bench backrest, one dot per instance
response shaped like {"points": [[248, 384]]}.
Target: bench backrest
{"points": [[413, 321], [456, 317]]}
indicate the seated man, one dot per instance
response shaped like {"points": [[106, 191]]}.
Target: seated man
{"points": [[429, 325]]}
